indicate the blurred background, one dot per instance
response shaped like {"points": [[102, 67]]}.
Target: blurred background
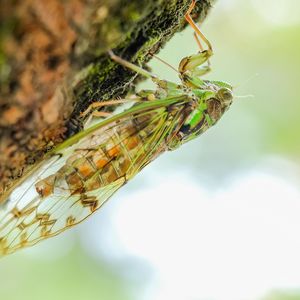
{"points": [[218, 219]]}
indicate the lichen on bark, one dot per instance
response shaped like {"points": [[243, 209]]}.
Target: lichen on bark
{"points": [[54, 64]]}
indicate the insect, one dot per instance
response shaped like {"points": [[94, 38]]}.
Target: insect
{"points": [[79, 175]]}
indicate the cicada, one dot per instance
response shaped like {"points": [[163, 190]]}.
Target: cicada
{"points": [[78, 176]]}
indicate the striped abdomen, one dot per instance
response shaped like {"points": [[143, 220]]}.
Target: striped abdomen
{"points": [[102, 158]]}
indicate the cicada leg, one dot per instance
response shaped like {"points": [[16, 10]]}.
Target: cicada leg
{"points": [[96, 105], [195, 27], [192, 64], [167, 87], [132, 67], [92, 111]]}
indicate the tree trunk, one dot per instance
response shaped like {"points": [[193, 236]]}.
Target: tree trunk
{"points": [[54, 64]]}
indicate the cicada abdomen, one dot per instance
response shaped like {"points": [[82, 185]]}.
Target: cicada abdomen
{"points": [[102, 159], [64, 192]]}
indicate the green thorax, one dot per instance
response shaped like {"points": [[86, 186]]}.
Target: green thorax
{"points": [[208, 103]]}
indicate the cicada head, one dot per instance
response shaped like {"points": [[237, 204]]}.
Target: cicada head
{"points": [[212, 100]]}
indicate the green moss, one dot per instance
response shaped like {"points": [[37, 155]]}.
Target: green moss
{"points": [[6, 28], [132, 12]]}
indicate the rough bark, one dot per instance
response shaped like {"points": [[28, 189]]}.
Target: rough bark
{"points": [[54, 64]]}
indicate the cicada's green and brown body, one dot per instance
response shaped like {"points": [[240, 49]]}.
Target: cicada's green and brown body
{"points": [[82, 173], [92, 167]]}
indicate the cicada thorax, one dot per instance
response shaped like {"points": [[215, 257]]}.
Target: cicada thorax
{"points": [[116, 153]]}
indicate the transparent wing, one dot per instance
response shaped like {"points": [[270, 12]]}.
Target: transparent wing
{"points": [[25, 224], [27, 216]]}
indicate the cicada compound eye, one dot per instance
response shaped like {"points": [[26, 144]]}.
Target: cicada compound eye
{"points": [[225, 95]]}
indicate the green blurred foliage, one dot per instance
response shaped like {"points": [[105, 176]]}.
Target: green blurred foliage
{"points": [[69, 277], [278, 295]]}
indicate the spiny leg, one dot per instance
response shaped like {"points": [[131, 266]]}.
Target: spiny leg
{"points": [[192, 64], [132, 67], [95, 105], [92, 110], [195, 26], [165, 85], [198, 42]]}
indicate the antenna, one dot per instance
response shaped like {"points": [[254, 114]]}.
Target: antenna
{"points": [[164, 62]]}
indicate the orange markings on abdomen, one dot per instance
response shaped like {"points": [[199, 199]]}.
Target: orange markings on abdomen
{"points": [[100, 163], [45, 187], [114, 151], [131, 142], [86, 169]]}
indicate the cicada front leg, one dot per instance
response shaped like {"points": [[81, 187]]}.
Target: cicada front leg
{"points": [[193, 65]]}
